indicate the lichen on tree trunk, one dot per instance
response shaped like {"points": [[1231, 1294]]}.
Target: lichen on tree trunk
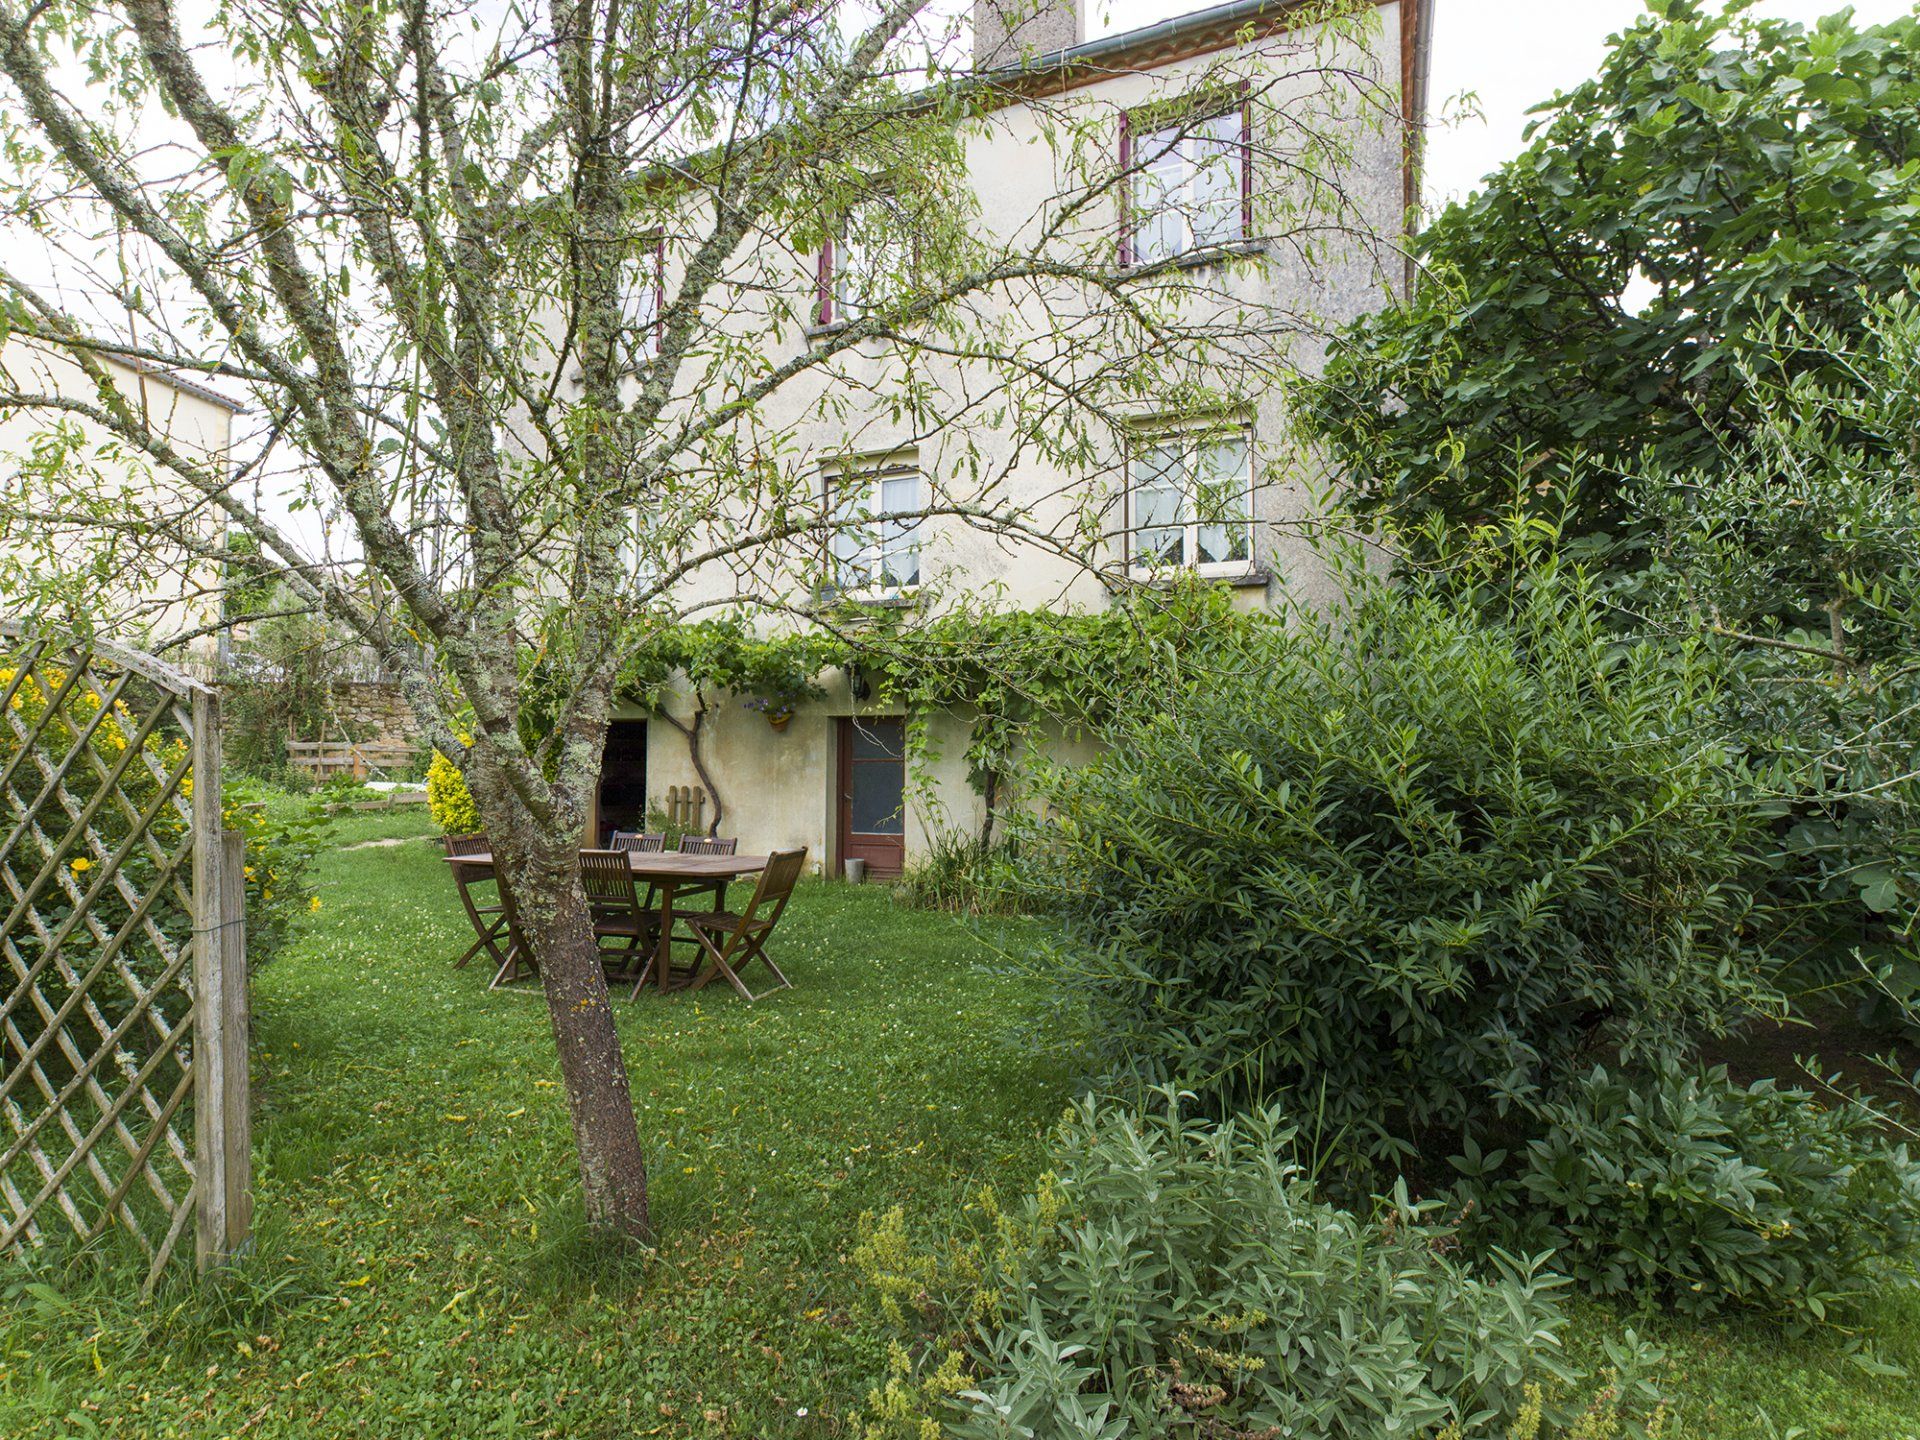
{"points": [[541, 871]]}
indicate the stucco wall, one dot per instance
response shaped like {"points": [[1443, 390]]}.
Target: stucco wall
{"points": [[178, 594], [1018, 176], [777, 787]]}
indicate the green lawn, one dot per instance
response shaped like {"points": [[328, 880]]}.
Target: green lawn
{"points": [[421, 1269]]}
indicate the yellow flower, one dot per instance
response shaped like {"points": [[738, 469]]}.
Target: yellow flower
{"points": [[249, 872], [81, 865], [313, 905]]}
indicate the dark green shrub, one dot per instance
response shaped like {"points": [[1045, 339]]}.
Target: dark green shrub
{"points": [[1516, 341], [1706, 1195], [1410, 868], [1178, 1278]]}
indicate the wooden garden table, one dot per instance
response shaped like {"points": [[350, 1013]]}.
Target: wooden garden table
{"points": [[668, 871]]}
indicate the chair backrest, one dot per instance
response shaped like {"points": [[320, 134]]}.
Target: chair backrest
{"points": [[784, 868], [464, 844], [708, 845], [645, 844], [607, 879]]}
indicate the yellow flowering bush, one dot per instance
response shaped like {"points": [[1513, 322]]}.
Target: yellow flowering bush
{"points": [[448, 799], [85, 875], [277, 848], [280, 839]]}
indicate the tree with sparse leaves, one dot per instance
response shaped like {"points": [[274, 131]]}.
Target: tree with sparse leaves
{"points": [[524, 298]]}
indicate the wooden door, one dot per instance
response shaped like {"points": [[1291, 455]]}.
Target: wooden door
{"points": [[873, 792], [623, 779]]}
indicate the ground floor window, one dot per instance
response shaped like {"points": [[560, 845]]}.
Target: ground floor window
{"points": [[1189, 501]]}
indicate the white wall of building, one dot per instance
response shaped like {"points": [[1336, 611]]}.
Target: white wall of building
{"points": [[777, 786], [144, 605]]}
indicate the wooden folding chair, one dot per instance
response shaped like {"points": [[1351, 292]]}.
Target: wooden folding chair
{"points": [[733, 942], [623, 925], [646, 842], [489, 920], [709, 845], [517, 963]]}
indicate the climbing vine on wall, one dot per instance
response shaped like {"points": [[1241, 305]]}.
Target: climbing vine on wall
{"points": [[724, 657], [1009, 670], [1015, 670]]}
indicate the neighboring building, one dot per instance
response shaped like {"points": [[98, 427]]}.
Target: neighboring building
{"points": [[179, 594], [834, 778]]}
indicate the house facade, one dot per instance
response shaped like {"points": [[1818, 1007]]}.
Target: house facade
{"points": [[52, 457], [835, 776]]}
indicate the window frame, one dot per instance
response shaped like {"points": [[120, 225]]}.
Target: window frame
{"points": [[871, 473], [651, 252], [829, 307], [1186, 112], [1190, 524]]}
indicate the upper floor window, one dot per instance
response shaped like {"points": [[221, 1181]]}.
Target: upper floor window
{"points": [[863, 264], [876, 535], [1189, 501], [1189, 181], [637, 547], [643, 287]]}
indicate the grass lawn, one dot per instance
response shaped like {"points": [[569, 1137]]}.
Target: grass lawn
{"points": [[421, 1269]]}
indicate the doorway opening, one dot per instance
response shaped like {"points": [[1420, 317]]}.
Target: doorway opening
{"points": [[623, 779]]}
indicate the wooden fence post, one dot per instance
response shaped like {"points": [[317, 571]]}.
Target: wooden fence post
{"points": [[236, 1025], [222, 1133]]}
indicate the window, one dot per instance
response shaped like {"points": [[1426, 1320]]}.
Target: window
{"points": [[643, 285], [635, 548], [864, 264], [1189, 184], [873, 551], [1188, 501]]}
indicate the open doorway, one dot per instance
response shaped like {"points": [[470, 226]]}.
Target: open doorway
{"points": [[623, 779]]}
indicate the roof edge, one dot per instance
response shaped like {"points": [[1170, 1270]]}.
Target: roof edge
{"points": [[155, 371], [1184, 35]]}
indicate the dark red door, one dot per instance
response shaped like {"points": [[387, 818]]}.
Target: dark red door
{"points": [[873, 793], [623, 778]]}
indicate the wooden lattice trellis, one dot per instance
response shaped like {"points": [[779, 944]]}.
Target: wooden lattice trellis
{"points": [[123, 1027]]}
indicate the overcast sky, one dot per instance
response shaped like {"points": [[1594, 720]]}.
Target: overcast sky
{"points": [[1511, 54]]}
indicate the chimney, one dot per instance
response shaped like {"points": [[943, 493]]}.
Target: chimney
{"points": [[1007, 31]]}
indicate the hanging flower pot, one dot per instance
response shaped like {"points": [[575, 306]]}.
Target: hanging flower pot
{"points": [[777, 711]]}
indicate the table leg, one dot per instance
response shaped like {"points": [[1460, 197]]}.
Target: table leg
{"points": [[663, 957]]}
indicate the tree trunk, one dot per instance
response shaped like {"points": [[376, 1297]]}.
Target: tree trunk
{"points": [[543, 874], [692, 733]]}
